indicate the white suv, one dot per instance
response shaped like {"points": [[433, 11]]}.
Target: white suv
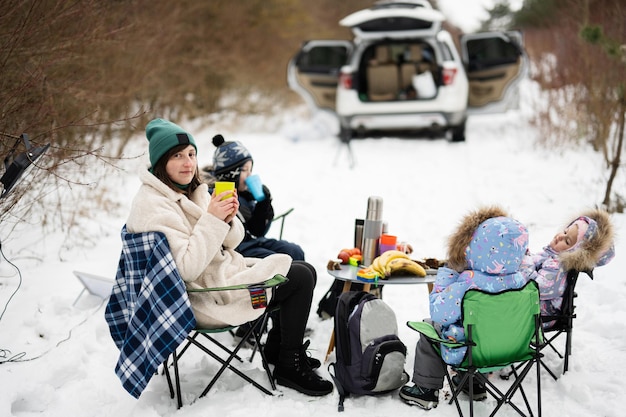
{"points": [[402, 72]]}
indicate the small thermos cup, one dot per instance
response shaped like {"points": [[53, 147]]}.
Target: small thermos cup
{"points": [[387, 242]]}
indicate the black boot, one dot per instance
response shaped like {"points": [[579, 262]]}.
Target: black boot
{"points": [[293, 371], [272, 349]]}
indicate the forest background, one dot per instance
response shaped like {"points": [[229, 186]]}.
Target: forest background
{"points": [[86, 75]]}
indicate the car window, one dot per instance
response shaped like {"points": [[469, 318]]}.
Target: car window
{"points": [[446, 52], [322, 59], [485, 53], [398, 52], [395, 24], [398, 5]]}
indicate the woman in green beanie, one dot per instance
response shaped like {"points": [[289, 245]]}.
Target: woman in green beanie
{"points": [[203, 231]]}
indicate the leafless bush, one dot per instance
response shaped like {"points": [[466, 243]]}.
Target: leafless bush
{"points": [[575, 45], [85, 76]]}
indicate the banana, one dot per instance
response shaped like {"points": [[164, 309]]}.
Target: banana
{"points": [[392, 254], [380, 263], [376, 266], [404, 266], [388, 256]]}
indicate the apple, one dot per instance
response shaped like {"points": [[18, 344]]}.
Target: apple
{"points": [[344, 256]]}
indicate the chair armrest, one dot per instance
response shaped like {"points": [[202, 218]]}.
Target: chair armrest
{"points": [[430, 333], [280, 216], [273, 282]]}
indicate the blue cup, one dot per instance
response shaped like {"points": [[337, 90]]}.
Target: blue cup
{"points": [[255, 186]]}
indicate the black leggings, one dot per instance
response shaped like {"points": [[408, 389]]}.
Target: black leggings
{"points": [[294, 301]]}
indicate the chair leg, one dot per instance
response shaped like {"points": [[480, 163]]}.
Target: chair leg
{"points": [[257, 336], [454, 395], [226, 364], [258, 333], [505, 398], [455, 392], [568, 350], [192, 339], [501, 398], [552, 374], [177, 379], [537, 360], [507, 375], [220, 345], [167, 375], [174, 386], [471, 392], [549, 343]]}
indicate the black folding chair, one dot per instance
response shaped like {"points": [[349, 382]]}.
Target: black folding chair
{"points": [[564, 322]]}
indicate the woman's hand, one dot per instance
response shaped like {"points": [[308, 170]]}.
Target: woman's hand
{"points": [[224, 209]]}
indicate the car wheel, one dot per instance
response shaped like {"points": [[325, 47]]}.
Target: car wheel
{"points": [[458, 133]]}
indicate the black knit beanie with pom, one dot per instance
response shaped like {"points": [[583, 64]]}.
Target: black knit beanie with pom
{"points": [[228, 159]]}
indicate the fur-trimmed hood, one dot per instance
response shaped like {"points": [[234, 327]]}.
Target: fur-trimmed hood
{"points": [[461, 238], [596, 248]]}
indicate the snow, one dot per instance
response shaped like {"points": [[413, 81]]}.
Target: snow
{"points": [[62, 357]]}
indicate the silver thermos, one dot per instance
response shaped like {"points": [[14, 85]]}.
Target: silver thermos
{"points": [[372, 229]]}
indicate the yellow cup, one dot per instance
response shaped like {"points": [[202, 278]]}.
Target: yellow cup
{"points": [[221, 186]]}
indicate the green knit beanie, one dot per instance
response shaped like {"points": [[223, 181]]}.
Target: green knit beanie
{"points": [[163, 135]]}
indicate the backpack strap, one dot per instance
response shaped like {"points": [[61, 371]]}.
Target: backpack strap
{"points": [[340, 390], [345, 305]]}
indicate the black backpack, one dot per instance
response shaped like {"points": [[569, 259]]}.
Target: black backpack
{"points": [[328, 304], [370, 357]]}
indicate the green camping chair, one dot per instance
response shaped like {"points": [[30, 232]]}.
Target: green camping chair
{"points": [[151, 319], [501, 329], [224, 355]]}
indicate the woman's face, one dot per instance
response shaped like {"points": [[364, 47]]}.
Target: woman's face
{"points": [[181, 166], [565, 239], [246, 171]]}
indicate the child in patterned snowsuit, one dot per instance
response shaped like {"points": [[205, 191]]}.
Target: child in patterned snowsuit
{"points": [[484, 253], [586, 242]]}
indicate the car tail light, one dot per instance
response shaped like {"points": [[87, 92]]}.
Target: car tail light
{"points": [[448, 75], [345, 80]]}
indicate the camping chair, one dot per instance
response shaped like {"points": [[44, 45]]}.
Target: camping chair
{"points": [[564, 321], [255, 331], [150, 316], [501, 329], [564, 324]]}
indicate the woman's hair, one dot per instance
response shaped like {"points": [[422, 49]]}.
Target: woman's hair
{"points": [[159, 171]]}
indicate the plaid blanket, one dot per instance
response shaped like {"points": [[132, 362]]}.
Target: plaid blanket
{"points": [[149, 314]]}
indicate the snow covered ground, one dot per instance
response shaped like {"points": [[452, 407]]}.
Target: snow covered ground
{"points": [[58, 358]]}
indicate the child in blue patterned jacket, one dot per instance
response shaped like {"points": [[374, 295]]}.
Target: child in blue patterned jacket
{"points": [[484, 253]]}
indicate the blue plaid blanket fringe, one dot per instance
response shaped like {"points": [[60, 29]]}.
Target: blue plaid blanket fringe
{"points": [[148, 313]]}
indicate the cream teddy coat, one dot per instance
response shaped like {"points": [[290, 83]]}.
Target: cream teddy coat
{"points": [[203, 247]]}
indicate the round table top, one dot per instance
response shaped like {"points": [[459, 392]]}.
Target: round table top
{"points": [[348, 273]]}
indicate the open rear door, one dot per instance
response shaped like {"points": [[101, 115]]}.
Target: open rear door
{"points": [[314, 72], [495, 63], [394, 21]]}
